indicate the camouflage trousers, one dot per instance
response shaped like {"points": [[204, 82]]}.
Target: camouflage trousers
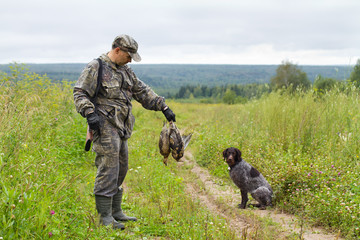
{"points": [[111, 159]]}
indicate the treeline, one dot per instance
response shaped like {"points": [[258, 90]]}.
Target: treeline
{"points": [[231, 93], [214, 83], [288, 77], [167, 79]]}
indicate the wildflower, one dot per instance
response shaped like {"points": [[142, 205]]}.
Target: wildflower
{"points": [[332, 166], [52, 212], [309, 175], [50, 234]]}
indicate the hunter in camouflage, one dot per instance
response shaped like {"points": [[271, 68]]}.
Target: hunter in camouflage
{"points": [[111, 120]]}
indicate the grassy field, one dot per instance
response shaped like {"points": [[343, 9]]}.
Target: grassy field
{"points": [[305, 145]]}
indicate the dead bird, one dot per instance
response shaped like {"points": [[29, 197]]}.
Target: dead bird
{"points": [[172, 142], [164, 143], [178, 143]]}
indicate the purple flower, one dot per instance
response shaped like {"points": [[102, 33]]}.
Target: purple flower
{"points": [[52, 212], [50, 234], [309, 174], [332, 166]]}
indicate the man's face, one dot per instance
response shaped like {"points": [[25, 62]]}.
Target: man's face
{"points": [[122, 57]]}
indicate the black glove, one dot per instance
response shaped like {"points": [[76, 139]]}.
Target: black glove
{"points": [[93, 120], [170, 116]]}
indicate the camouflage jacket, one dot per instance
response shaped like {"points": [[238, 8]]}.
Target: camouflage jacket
{"points": [[119, 85]]}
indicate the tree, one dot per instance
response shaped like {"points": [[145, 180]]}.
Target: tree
{"points": [[229, 96], [198, 92], [322, 84], [181, 92], [355, 74], [289, 75]]}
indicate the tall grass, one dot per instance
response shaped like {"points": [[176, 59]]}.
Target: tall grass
{"points": [[41, 159], [306, 145], [46, 178]]}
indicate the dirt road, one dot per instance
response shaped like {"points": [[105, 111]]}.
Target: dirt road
{"points": [[222, 200]]}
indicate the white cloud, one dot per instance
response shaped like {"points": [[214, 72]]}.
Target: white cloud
{"points": [[200, 31]]}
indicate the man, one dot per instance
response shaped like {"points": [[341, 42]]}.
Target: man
{"points": [[110, 119]]}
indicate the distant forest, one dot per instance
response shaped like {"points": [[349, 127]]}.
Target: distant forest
{"points": [[172, 80]]}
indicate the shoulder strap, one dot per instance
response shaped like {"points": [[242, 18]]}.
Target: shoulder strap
{"points": [[98, 80]]}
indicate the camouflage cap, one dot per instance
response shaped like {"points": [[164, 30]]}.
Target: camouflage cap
{"points": [[127, 44]]}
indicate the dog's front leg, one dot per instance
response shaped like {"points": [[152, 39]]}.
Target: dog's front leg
{"points": [[244, 199]]}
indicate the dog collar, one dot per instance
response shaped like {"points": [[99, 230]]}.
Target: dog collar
{"points": [[230, 168]]}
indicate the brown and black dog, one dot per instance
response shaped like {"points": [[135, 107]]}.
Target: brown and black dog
{"points": [[248, 179]]}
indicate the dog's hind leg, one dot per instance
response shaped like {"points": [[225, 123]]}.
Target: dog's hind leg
{"points": [[244, 199], [263, 196]]}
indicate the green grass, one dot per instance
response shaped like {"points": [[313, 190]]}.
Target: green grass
{"points": [[305, 145], [47, 178]]}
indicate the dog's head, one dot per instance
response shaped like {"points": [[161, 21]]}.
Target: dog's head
{"points": [[232, 156]]}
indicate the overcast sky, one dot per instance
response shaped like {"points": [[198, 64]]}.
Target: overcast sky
{"points": [[316, 32]]}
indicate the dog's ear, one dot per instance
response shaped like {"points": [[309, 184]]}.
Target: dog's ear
{"points": [[238, 154], [224, 153]]}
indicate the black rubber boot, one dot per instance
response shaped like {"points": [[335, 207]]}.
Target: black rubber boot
{"points": [[103, 206], [117, 212]]}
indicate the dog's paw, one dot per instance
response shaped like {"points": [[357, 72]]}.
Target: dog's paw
{"points": [[242, 206]]}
